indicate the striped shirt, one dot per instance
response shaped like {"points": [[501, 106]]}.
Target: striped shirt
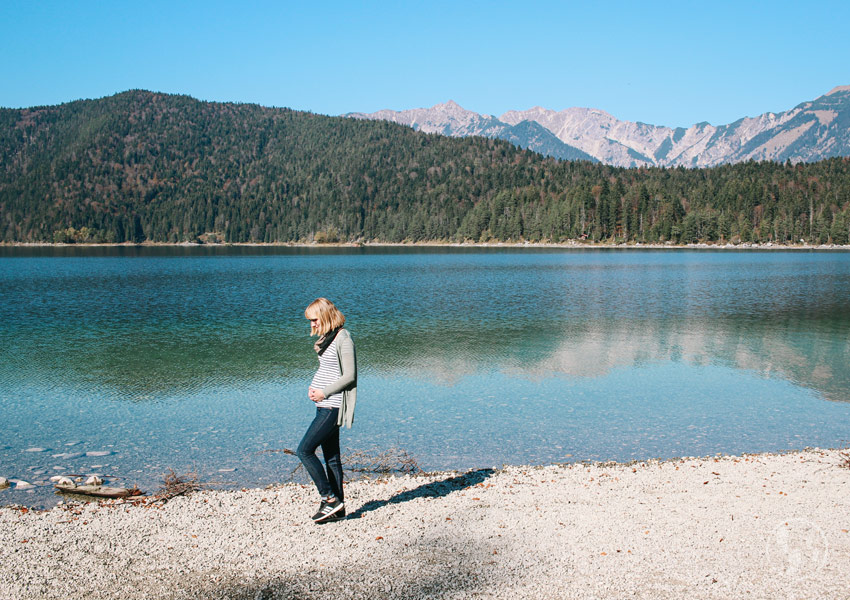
{"points": [[327, 374]]}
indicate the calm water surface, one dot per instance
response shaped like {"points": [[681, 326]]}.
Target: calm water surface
{"points": [[128, 362]]}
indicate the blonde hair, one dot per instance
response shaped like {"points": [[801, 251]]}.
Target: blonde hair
{"points": [[328, 315]]}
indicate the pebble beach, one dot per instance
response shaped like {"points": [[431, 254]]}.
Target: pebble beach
{"points": [[753, 526]]}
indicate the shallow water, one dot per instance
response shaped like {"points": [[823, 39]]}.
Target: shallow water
{"points": [[199, 358]]}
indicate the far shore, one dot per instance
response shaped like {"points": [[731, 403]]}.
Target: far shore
{"points": [[749, 526], [575, 244]]}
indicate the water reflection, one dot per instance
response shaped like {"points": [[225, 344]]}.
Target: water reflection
{"points": [[788, 350], [164, 323], [152, 363]]}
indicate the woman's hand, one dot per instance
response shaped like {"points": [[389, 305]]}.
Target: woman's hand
{"points": [[315, 394]]}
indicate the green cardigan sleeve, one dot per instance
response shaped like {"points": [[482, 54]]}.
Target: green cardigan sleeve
{"points": [[348, 365]]}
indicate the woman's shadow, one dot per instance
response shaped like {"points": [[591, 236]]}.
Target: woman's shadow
{"points": [[434, 489]]}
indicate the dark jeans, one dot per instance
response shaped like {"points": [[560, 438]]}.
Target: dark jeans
{"points": [[324, 432]]}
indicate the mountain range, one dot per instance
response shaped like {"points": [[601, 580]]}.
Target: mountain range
{"points": [[811, 131]]}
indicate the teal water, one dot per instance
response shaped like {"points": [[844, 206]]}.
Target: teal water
{"points": [[199, 358]]}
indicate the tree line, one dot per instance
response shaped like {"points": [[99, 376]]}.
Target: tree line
{"points": [[142, 166]]}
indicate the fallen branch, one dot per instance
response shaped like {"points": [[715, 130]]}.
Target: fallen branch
{"points": [[179, 485], [391, 460]]}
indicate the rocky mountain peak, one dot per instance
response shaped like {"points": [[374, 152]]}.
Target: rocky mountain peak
{"points": [[811, 131], [838, 89], [450, 105]]}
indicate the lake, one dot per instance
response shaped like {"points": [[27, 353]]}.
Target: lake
{"points": [[131, 361]]}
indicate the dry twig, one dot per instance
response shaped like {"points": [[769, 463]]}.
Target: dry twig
{"points": [[391, 460], [179, 485]]}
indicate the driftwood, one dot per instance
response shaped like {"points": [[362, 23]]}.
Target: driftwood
{"points": [[98, 491]]}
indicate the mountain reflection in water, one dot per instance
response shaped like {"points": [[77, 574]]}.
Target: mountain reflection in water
{"points": [[176, 322]]}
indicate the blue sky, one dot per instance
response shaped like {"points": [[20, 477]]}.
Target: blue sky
{"points": [[666, 63]]}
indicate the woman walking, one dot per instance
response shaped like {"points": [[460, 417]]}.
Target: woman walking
{"points": [[334, 391]]}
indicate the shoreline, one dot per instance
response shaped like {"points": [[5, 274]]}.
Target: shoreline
{"points": [[755, 525], [570, 244]]}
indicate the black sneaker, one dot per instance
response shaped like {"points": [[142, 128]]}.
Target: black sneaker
{"points": [[337, 516], [321, 509], [328, 509]]}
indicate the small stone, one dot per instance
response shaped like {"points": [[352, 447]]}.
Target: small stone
{"points": [[4, 482], [23, 485], [36, 450], [99, 453], [229, 470], [94, 480]]}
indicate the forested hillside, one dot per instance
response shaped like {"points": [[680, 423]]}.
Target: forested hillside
{"points": [[141, 166]]}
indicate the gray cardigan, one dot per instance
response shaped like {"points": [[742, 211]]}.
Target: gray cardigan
{"points": [[347, 383]]}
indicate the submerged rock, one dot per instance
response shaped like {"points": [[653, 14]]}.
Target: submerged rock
{"points": [[35, 449], [23, 485], [68, 455], [99, 453], [4, 483]]}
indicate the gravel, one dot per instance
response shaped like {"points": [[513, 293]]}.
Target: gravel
{"points": [[754, 526]]}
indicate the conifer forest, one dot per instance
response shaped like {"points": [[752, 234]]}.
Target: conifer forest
{"points": [[148, 167]]}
